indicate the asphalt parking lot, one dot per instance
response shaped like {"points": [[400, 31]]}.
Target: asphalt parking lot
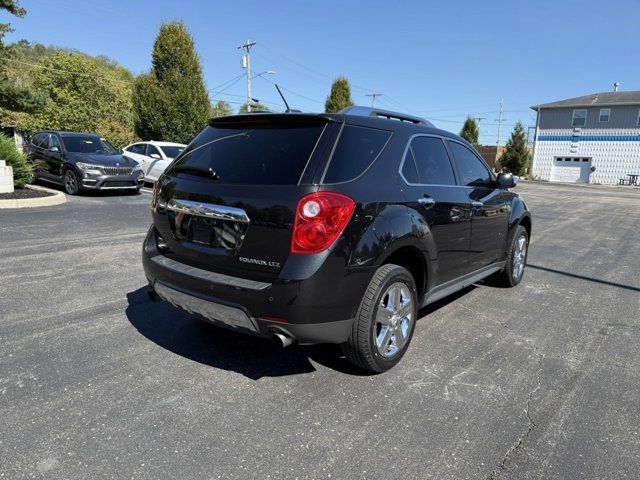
{"points": [[540, 381]]}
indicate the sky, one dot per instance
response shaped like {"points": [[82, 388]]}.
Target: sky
{"points": [[440, 60]]}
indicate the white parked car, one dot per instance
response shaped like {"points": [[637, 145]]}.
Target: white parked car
{"points": [[153, 156]]}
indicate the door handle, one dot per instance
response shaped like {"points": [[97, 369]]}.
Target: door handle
{"points": [[427, 201], [476, 204]]}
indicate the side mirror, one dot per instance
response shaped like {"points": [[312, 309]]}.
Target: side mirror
{"points": [[507, 180], [54, 149], [155, 156]]}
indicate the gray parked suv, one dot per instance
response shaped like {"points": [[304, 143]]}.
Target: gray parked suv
{"points": [[82, 161]]}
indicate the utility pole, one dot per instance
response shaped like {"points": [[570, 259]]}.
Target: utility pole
{"points": [[500, 119], [246, 63], [373, 97]]}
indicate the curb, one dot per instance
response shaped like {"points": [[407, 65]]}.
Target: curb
{"points": [[56, 199]]}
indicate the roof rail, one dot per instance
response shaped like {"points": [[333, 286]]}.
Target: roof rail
{"points": [[377, 112]]}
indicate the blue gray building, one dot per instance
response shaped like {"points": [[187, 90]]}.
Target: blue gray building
{"points": [[589, 139]]}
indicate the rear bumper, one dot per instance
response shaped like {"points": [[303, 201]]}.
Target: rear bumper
{"points": [[317, 309]]}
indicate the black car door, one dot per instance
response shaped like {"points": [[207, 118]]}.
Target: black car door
{"points": [[489, 207], [36, 155], [55, 156], [442, 204]]}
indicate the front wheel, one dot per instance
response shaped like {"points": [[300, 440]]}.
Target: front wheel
{"points": [[513, 270], [71, 184], [385, 322]]}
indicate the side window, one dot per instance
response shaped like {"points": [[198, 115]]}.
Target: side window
{"points": [[54, 142], [471, 169], [357, 148], [40, 140], [579, 118], [432, 161], [138, 148], [151, 149], [409, 169]]}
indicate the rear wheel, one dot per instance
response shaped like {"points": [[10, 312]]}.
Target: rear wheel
{"points": [[385, 322], [71, 183], [513, 270]]}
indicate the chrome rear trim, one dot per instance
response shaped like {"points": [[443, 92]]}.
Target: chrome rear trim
{"points": [[208, 210]]}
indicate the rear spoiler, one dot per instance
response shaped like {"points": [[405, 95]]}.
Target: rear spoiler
{"points": [[274, 118]]}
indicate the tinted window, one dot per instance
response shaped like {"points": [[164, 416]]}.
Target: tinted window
{"points": [[88, 144], [171, 151], [139, 148], [432, 161], [357, 148], [260, 155], [409, 169], [152, 149], [40, 140], [54, 142], [472, 171]]}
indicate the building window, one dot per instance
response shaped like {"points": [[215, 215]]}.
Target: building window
{"points": [[605, 113], [639, 119], [579, 118]]}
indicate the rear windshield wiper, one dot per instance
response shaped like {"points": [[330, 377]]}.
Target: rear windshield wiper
{"points": [[203, 172]]}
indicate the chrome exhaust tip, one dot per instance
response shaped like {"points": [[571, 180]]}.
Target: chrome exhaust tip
{"points": [[282, 340]]}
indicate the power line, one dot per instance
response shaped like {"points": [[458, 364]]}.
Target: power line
{"points": [[373, 96]]}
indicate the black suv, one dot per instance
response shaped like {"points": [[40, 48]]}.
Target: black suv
{"points": [[330, 228], [82, 161]]}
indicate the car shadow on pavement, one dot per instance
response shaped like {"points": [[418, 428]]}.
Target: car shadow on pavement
{"points": [[202, 342]]}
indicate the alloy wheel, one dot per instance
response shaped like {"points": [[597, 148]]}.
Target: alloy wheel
{"points": [[393, 320], [70, 182], [519, 257]]}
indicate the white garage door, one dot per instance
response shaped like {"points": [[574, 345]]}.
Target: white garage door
{"points": [[571, 170]]}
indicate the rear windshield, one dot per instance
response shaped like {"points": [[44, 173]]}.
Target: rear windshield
{"points": [[256, 155]]}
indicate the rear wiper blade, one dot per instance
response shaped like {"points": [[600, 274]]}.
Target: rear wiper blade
{"points": [[203, 172]]}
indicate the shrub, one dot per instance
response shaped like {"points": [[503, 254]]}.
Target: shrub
{"points": [[22, 172]]}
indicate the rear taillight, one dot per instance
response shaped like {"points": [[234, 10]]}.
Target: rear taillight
{"points": [[320, 219]]}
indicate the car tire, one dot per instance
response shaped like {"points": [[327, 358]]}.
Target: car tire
{"points": [[70, 182], [385, 321], [513, 271]]}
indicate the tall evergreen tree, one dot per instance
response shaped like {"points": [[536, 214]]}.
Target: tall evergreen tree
{"points": [[171, 102], [516, 156], [14, 97], [340, 96], [471, 132]]}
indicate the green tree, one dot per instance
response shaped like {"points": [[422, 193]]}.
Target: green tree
{"points": [[14, 97], [339, 97], [470, 132], [255, 107], [171, 102], [516, 156], [220, 109], [85, 94], [22, 173]]}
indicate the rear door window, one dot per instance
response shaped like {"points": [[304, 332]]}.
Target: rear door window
{"points": [[432, 161], [357, 149], [471, 169], [263, 154]]}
